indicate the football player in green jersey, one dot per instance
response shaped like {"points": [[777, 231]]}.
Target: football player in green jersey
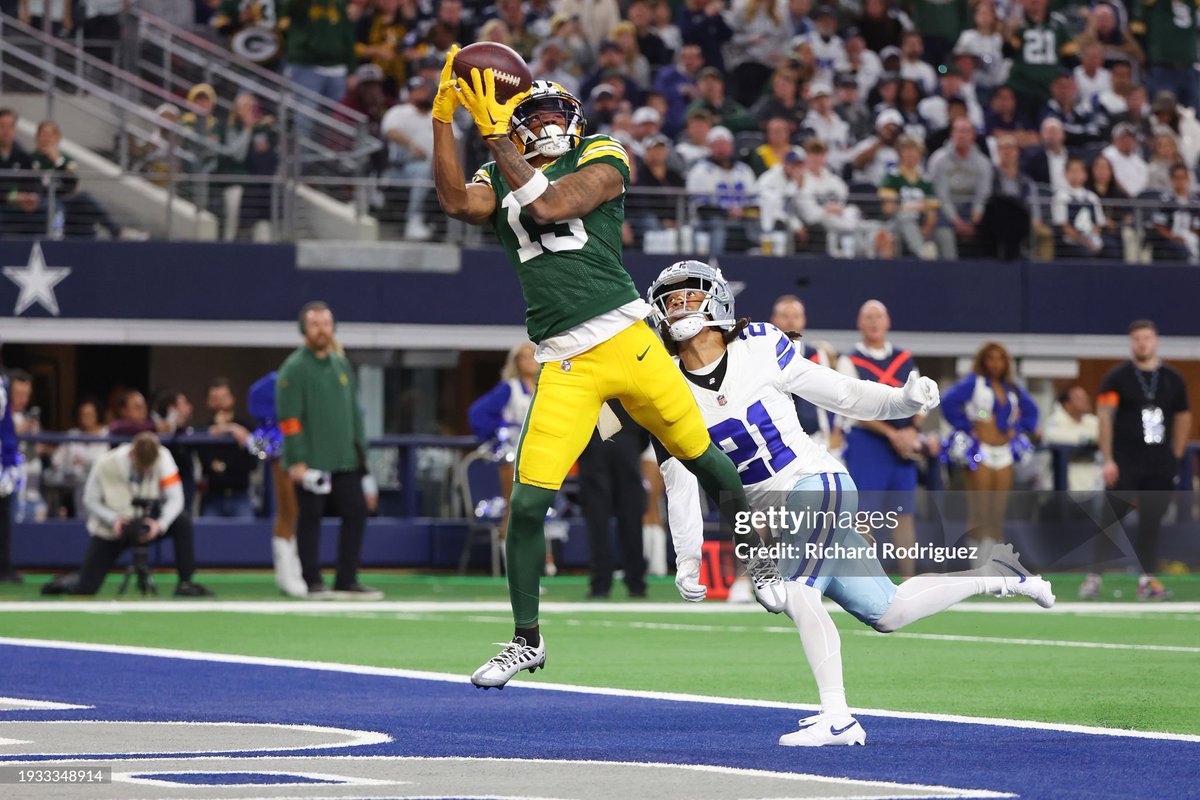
{"points": [[556, 200]]}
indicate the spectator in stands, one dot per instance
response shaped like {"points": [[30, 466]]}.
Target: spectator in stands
{"points": [[828, 49], [650, 44], [703, 22], [1182, 125], [726, 111], [861, 64], [908, 98], [824, 124], [133, 416], [759, 39], [163, 155], [1130, 168], [778, 191], [379, 39], [1162, 160], [1072, 423], [521, 39], [962, 177], [634, 65], [1103, 183], [721, 190], [409, 133], [823, 204], [1036, 47], [1103, 28], [202, 137], [594, 17], [782, 100], [799, 19], [910, 203], [20, 201], [320, 47], [951, 84], [665, 27], [692, 146], [771, 152], [1047, 165], [1003, 116], [1174, 227], [1171, 35], [677, 84], [881, 25], [1114, 102], [656, 211], [32, 13], [1090, 75], [912, 67], [550, 63], [141, 469], [101, 28], [73, 461], [82, 214], [172, 415], [227, 468], [850, 107], [608, 69], [493, 30], [450, 22], [1079, 123], [872, 158], [252, 149], [1145, 421], [985, 42], [997, 417], [1078, 218], [956, 109], [1013, 206], [646, 123]]}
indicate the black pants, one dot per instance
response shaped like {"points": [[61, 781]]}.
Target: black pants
{"points": [[1150, 490], [345, 500], [5, 535], [102, 554], [610, 485]]}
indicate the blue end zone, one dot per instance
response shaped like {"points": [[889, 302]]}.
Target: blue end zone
{"points": [[436, 718]]}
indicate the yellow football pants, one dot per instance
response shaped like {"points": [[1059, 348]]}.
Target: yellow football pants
{"points": [[632, 367]]}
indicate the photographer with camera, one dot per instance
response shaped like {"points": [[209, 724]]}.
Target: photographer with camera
{"points": [[134, 496]]}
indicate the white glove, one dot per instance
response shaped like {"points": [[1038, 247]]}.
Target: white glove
{"points": [[687, 579], [922, 391]]}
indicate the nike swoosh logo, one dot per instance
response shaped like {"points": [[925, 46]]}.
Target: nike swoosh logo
{"points": [[840, 731], [1014, 569], [643, 355]]}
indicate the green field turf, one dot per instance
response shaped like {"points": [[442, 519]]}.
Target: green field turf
{"points": [[745, 654]]}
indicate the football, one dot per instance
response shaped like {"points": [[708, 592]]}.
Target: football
{"points": [[511, 71]]}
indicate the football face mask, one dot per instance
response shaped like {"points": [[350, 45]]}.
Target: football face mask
{"points": [[547, 123], [691, 295]]}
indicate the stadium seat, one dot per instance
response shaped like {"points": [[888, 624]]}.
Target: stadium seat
{"points": [[483, 505]]}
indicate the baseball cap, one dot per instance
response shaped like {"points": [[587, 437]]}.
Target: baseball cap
{"points": [[824, 11], [1163, 101], [655, 140], [646, 114], [201, 89], [845, 79], [600, 91], [719, 132], [818, 89], [890, 51], [710, 72], [889, 116], [795, 156], [1124, 129], [368, 72]]}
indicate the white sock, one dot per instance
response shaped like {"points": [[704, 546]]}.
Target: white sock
{"points": [[822, 645], [925, 595]]}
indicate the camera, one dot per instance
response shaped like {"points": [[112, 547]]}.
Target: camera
{"points": [[133, 530]]}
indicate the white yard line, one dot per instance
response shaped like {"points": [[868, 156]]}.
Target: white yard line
{"points": [[357, 669]]}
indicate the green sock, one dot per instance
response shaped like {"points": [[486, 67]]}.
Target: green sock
{"points": [[719, 479], [525, 548]]}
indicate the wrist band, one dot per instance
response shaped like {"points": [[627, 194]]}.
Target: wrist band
{"points": [[534, 188]]}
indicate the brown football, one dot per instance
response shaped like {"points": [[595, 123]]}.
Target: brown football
{"points": [[512, 73]]}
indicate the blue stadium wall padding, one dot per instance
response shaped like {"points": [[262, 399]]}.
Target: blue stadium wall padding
{"points": [[188, 281]]}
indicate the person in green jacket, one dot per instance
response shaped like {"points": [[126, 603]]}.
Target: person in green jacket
{"points": [[324, 451], [727, 112]]}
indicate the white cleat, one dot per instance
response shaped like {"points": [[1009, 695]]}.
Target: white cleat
{"points": [[824, 729], [769, 588], [1005, 563], [515, 657]]}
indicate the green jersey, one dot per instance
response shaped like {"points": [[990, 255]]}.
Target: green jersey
{"points": [[915, 196], [1035, 49], [1169, 28], [570, 271]]}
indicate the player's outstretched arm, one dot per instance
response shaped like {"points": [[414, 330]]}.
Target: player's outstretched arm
{"points": [[474, 202], [686, 520], [859, 399], [568, 197]]}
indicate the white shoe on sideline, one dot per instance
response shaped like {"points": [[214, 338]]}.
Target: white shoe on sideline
{"points": [[825, 729], [288, 576], [416, 230], [515, 657], [1005, 563]]}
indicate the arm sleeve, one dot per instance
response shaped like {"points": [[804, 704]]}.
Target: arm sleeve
{"points": [[289, 407], [486, 415], [1029, 412], [850, 397], [93, 498], [954, 404], [684, 512]]}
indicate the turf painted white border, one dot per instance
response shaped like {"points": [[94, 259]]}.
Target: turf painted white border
{"points": [[422, 606], [358, 669]]}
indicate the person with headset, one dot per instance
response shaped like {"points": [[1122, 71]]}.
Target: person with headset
{"points": [[324, 451]]}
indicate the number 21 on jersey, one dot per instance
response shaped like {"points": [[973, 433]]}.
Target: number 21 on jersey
{"points": [[736, 438]]}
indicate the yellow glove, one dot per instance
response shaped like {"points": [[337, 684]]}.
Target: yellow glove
{"points": [[446, 102], [479, 97]]}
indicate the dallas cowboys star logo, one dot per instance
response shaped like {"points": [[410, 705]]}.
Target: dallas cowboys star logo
{"points": [[36, 282]]}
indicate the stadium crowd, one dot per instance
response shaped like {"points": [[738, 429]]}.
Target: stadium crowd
{"points": [[927, 128]]}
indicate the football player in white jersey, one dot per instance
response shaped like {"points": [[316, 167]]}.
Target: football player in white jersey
{"points": [[743, 375]]}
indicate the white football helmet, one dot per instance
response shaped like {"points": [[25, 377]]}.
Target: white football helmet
{"points": [[716, 310], [551, 141]]}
